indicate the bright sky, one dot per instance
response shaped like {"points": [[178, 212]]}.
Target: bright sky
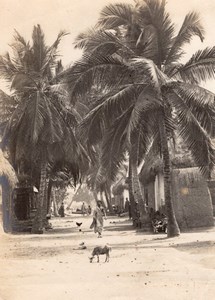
{"points": [[75, 16]]}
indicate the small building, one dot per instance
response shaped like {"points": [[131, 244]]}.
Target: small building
{"points": [[23, 208], [190, 193]]}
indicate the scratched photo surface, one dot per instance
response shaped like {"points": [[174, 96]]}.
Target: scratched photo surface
{"points": [[107, 140]]}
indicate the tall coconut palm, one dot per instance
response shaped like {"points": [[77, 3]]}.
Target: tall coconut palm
{"points": [[148, 85], [37, 130]]}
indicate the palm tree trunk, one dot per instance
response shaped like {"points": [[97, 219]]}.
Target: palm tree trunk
{"points": [[70, 204], [95, 194], [137, 192], [173, 229], [38, 225], [131, 195], [55, 208], [108, 200], [45, 207], [49, 192], [102, 200]]}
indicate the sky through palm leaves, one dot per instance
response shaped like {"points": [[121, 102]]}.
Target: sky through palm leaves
{"points": [[77, 15]]}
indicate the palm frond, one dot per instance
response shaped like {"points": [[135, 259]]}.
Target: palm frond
{"points": [[22, 54], [59, 89], [7, 68], [94, 176], [83, 38], [20, 39], [200, 102], [113, 149], [190, 27], [54, 130], [152, 154], [35, 117], [152, 12], [149, 128], [91, 127], [115, 15], [7, 106], [39, 48], [153, 74], [103, 42], [96, 70], [147, 43], [195, 137], [199, 68], [145, 106], [13, 123], [120, 100], [81, 108], [22, 81], [50, 60], [17, 72], [107, 109]]}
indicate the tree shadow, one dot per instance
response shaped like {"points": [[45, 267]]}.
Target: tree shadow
{"points": [[194, 245], [124, 227]]}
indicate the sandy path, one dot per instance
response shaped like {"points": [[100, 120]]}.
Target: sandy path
{"points": [[142, 266]]}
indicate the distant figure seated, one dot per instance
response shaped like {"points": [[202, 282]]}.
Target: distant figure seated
{"points": [[159, 223]]}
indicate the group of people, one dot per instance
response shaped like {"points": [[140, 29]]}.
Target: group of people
{"points": [[159, 221], [98, 216], [86, 210]]}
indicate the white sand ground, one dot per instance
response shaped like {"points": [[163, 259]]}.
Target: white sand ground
{"points": [[142, 266]]}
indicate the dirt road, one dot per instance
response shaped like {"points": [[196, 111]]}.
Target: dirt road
{"points": [[142, 266]]}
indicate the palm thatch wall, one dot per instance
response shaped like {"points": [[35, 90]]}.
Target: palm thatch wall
{"points": [[8, 181], [191, 198]]}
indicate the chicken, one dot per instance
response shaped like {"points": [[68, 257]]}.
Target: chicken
{"points": [[78, 224]]}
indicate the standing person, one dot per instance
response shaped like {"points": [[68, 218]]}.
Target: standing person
{"points": [[126, 205], [61, 210], [83, 209], [89, 210], [129, 210], [98, 220]]}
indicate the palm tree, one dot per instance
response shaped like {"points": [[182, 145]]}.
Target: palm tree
{"points": [[147, 86], [39, 129]]}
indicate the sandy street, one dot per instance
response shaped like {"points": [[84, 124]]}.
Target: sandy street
{"points": [[142, 266]]}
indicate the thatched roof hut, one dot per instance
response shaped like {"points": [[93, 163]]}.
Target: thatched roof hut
{"points": [[180, 158], [7, 170]]}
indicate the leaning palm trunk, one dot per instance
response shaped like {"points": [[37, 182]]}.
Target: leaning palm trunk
{"points": [[77, 190], [136, 188], [173, 229], [108, 200], [131, 195], [95, 195], [102, 200], [38, 220]]}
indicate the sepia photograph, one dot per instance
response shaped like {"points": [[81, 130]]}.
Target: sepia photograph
{"points": [[107, 150]]}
